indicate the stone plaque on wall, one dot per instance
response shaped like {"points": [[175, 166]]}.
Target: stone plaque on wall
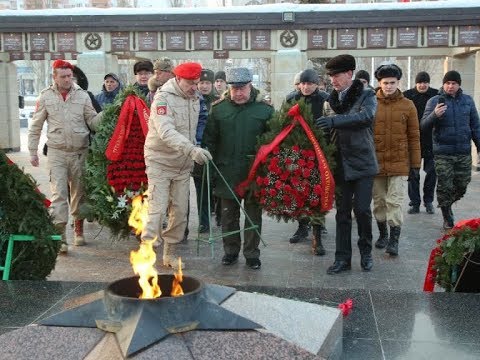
{"points": [[16, 55], [147, 40], [437, 36], [377, 38], [317, 39], [175, 40], [260, 39], [346, 38], [37, 55], [203, 40], [469, 35], [57, 55], [66, 42], [39, 42], [12, 42], [221, 54], [120, 40], [232, 40], [407, 37]]}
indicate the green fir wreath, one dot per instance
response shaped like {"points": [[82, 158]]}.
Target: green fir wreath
{"points": [[23, 212], [109, 207]]}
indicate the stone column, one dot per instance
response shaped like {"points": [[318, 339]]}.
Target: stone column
{"points": [[96, 65], [9, 119], [285, 64]]}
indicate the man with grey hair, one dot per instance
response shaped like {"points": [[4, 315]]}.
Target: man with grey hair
{"points": [[231, 133]]}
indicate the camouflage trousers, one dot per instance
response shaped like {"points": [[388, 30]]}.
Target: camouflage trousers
{"points": [[454, 172]]}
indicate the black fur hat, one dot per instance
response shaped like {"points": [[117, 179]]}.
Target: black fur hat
{"points": [[388, 70], [143, 65], [340, 63]]}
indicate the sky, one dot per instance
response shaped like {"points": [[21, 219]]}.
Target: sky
{"points": [[275, 8]]}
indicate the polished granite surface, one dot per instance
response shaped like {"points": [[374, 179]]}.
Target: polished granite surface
{"points": [[392, 318], [391, 324]]}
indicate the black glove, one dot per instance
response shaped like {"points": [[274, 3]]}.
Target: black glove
{"points": [[324, 123], [414, 173]]}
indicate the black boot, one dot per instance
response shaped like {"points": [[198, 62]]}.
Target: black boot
{"points": [[301, 233], [392, 246], [383, 238], [447, 217], [317, 247]]}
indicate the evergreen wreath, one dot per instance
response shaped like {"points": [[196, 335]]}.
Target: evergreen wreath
{"points": [[111, 185], [452, 253], [23, 212], [286, 182]]}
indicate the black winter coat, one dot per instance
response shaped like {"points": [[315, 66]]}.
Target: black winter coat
{"points": [[420, 101], [353, 124]]}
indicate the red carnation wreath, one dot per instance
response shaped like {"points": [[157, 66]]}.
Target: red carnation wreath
{"points": [[291, 176]]}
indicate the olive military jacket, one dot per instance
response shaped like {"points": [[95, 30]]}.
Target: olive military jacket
{"points": [[231, 136]]}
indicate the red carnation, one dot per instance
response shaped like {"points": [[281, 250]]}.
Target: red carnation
{"points": [[272, 192], [284, 176], [295, 181], [259, 180], [310, 164], [306, 173], [317, 189], [278, 184], [296, 148]]}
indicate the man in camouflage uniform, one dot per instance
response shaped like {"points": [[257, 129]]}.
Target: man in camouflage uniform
{"points": [[453, 117]]}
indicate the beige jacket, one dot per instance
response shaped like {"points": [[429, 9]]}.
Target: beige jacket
{"points": [[69, 122], [171, 129]]}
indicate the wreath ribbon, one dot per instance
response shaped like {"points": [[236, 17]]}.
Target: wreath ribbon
{"points": [[133, 106], [327, 184]]}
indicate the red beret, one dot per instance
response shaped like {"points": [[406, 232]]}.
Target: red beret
{"points": [[62, 64], [189, 70]]}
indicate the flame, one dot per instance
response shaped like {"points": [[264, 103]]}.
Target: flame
{"points": [[138, 216], [143, 260], [178, 278]]}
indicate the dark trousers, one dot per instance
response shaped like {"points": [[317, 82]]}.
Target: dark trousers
{"points": [[231, 222], [428, 184], [356, 193], [202, 201]]}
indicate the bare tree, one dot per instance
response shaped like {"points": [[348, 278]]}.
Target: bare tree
{"points": [[176, 3]]}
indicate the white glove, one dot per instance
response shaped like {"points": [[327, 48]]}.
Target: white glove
{"points": [[200, 156]]}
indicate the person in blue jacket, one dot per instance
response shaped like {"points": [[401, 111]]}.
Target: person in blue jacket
{"points": [[453, 117]]}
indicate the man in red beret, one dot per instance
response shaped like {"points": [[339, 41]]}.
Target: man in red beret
{"points": [[70, 116], [170, 150]]}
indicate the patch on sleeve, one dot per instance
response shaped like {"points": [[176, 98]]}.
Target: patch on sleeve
{"points": [[161, 108]]}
